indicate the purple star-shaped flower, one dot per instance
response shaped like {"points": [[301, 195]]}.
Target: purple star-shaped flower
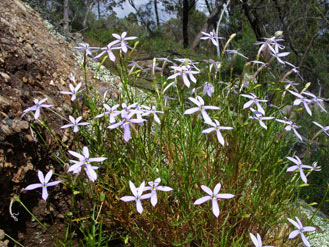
{"points": [[85, 161], [38, 105], [111, 112], [298, 166], [258, 116], [254, 100], [216, 127], [125, 123], [201, 108], [291, 126], [302, 99], [257, 241], [137, 196], [213, 196], [73, 92], [154, 186], [184, 71], [108, 49], [74, 123], [208, 89], [44, 183], [212, 37], [123, 40], [300, 231]]}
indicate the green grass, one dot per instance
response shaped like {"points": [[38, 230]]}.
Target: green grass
{"points": [[252, 165]]}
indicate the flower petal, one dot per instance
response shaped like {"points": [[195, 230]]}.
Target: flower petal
{"points": [[139, 206], [44, 193], [215, 208], [202, 200], [41, 177], [33, 186], [127, 198], [207, 190], [48, 176]]}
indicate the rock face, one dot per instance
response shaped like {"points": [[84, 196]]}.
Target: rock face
{"points": [[33, 65]]}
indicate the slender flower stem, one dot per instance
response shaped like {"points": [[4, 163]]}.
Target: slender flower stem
{"points": [[12, 239], [33, 216], [321, 203]]}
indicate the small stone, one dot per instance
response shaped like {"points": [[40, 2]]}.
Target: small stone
{"points": [[19, 125], [29, 138], [2, 234], [5, 76], [4, 101], [62, 82], [6, 130]]}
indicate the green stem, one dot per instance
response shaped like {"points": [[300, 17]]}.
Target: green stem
{"points": [[321, 203], [16, 198], [15, 241]]}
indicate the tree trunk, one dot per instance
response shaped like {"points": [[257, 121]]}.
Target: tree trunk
{"points": [[208, 7], [253, 20], [131, 2], [211, 21], [98, 9], [85, 19], [156, 13], [66, 26], [185, 22]]}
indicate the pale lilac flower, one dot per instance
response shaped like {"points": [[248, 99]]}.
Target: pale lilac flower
{"points": [[123, 40], [154, 186], [212, 37], [213, 64], [85, 161], [291, 84], [73, 92], [302, 99], [254, 100], [257, 241], [129, 109], [153, 111], [213, 196], [291, 126], [201, 108], [44, 183], [108, 49], [259, 62], [208, 89], [300, 231], [184, 71], [315, 167], [85, 48], [74, 123], [270, 43], [236, 52], [278, 55], [295, 69], [137, 196], [316, 100], [38, 105], [298, 166], [216, 127], [111, 112], [258, 116], [325, 129], [125, 123]]}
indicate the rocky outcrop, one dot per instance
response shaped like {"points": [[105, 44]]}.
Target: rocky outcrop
{"points": [[34, 64]]}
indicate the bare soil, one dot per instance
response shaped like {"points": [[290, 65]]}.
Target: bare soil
{"points": [[33, 65]]}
